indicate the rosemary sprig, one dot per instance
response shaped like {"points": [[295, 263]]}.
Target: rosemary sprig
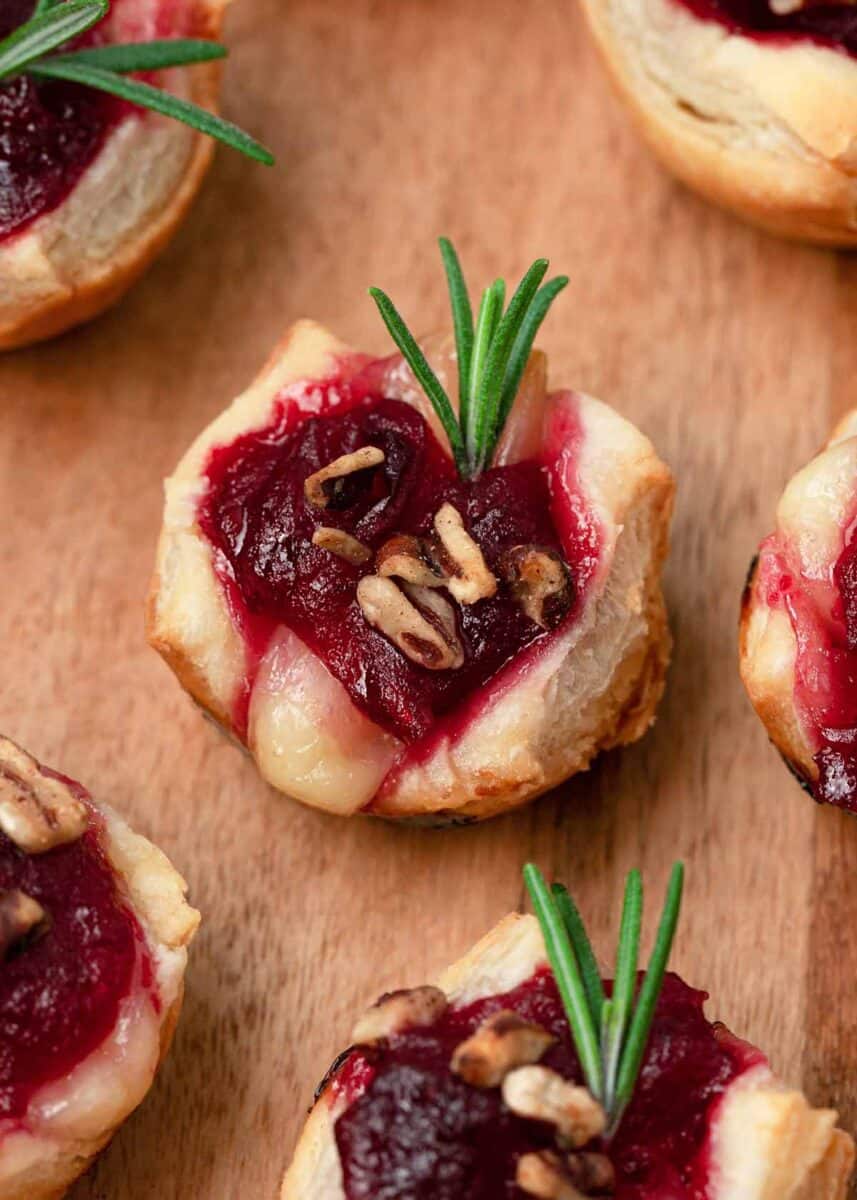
{"points": [[31, 50], [609, 1034], [492, 357]]}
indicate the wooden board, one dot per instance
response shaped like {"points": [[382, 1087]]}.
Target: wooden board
{"points": [[393, 121]]}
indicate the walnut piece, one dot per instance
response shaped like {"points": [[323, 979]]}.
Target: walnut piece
{"points": [[37, 811], [540, 582], [591, 1173], [397, 1011], [542, 1175], [22, 919], [417, 620], [342, 544], [469, 577], [413, 559], [323, 486], [502, 1042], [542, 1095]]}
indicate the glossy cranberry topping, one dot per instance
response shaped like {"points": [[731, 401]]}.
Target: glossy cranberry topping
{"points": [[256, 515], [60, 996], [823, 615], [830, 24], [414, 1131], [49, 134]]}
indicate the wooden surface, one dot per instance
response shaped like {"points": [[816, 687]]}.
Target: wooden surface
{"points": [[393, 121]]}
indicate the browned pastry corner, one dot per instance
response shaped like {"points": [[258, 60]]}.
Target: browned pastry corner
{"points": [[763, 127]]}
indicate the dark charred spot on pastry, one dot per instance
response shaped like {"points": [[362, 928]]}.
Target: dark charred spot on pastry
{"points": [[798, 774], [416, 559], [334, 1069], [22, 922], [591, 1173], [540, 582]]}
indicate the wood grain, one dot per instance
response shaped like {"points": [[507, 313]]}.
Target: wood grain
{"points": [[393, 121]]}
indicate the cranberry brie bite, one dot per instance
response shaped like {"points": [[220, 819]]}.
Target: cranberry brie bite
{"points": [[94, 929], [751, 102], [98, 165], [799, 623], [411, 609], [488, 1085]]}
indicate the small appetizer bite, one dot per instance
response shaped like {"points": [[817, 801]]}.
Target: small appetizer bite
{"points": [[798, 637], [751, 102], [522, 1074], [413, 605], [94, 930], [100, 156]]}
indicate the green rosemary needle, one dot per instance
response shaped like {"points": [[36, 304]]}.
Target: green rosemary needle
{"points": [[609, 1034], [32, 50], [492, 357]]}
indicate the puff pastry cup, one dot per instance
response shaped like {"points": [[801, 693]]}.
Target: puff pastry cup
{"points": [[754, 1139], [798, 638], [94, 931], [590, 683], [760, 121], [78, 258]]}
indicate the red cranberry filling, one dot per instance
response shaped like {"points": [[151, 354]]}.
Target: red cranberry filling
{"points": [[256, 515], [414, 1130], [60, 995], [49, 134], [830, 24], [824, 620]]}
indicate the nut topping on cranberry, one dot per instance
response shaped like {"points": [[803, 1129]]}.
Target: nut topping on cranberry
{"points": [[469, 577], [398, 1011], [325, 485], [502, 1042], [591, 1173], [542, 1175], [417, 620], [342, 544], [37, 812], [542, 1095], [21, 919], [412, 559], [539, 581]]}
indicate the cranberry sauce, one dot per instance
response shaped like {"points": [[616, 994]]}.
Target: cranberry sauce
{"points": [[49, 134], [824, 619], [830, 24], [414, 1131], [60, 995], [257, 518]]}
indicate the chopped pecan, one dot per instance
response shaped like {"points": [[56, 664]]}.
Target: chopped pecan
{"points": [[540, 582], [412, 559], [543, 1095], [542, 1175], [469, 577], [417, 620], [342, 544], [22, 920], [501, 1043], [397, 1011], [37, 811], [324, 486], [591, 1173]]}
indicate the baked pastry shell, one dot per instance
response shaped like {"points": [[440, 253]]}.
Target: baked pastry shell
{"points": [[593, 688], [765, 129], [76, 261], [767, 1141]]}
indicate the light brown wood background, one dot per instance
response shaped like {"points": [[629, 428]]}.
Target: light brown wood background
{"points": [[394, 121]]}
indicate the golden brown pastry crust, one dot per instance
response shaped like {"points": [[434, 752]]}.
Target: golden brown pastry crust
{"points": [[547, 726], [46, 1167], [76, 261], [767, 645], [768, 131], [769, 1143]]}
